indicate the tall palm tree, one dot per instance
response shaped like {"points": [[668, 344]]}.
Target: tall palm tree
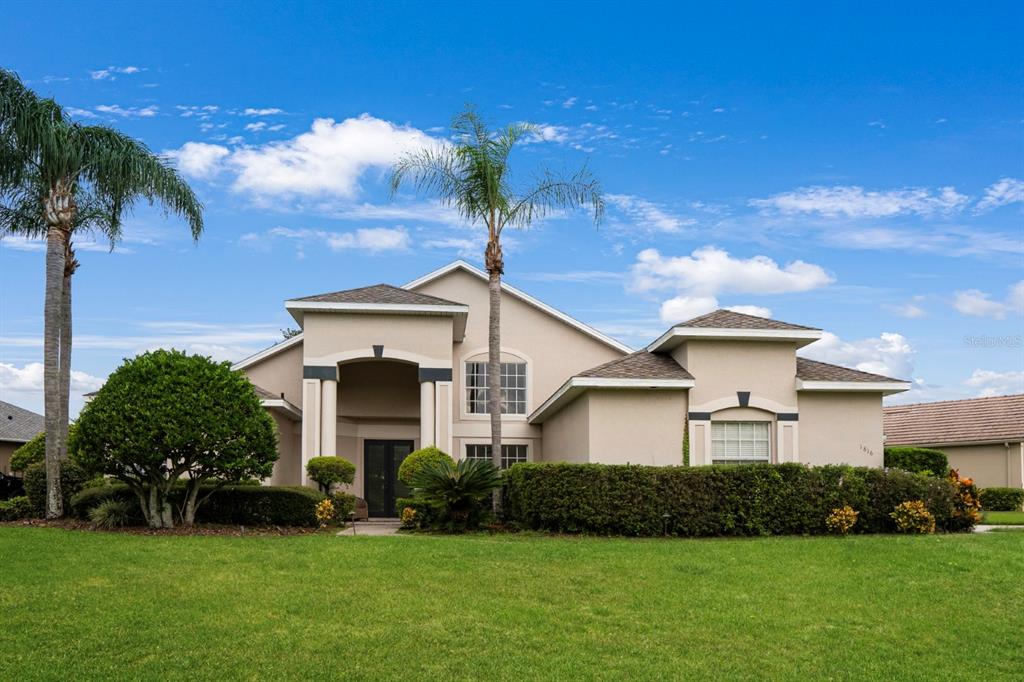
{"points": [[473, 175], [58, 178]]}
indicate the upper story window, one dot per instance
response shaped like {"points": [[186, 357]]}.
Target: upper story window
{"points": [[740, 442], [513, 388]]}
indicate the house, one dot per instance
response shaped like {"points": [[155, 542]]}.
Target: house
{"points": [[381, 370], [17, 427], [982, 437]]}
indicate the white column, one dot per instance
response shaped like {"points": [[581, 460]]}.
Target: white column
{"points": [[328, 418], [310, 425], [427, 414]]}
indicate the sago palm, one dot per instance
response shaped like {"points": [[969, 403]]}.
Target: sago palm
{"points": [[57, 178], [473, 176]]}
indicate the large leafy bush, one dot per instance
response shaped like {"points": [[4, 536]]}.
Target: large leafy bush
{"points": [[917, 460], [1002, 499], [164, 416], [418, 459], [328, 471], [72, 479], [756, 499]]}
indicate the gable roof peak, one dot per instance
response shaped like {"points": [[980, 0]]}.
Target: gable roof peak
{"points": [[724, 318]]}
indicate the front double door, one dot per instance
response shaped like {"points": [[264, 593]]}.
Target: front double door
{"points": [[381, 487]]}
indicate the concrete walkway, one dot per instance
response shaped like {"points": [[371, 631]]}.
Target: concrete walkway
{"points": [[373, 527], [984, 528]]}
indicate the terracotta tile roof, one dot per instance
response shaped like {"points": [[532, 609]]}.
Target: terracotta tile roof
{"points": [[978, 420], [18, 425], [812, 370], [378, 293], [728, 319], [639, 365]]}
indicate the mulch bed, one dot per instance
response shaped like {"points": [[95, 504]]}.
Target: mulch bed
{"points": [[198, 529]]}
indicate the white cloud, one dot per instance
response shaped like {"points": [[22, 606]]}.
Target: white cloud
{"points": [[647, 215], [467, 247], [199, 159], [978, 304], [128, 112], [988, 383], [682, 308], [29, 378], [255, 127], [326, 161], [710, 270], [80, 113], [429, 211], [888, 354], [573, 276], [270, 111], [545, 132], [371, 239], [1001, 193], [908, 310], [856, 202], [755, 310], [950, 241], [570, 102], [110, 73]]}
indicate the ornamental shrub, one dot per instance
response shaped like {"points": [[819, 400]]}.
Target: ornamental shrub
{"points": [[31, 452], [917, 460], [112, 513], [754, 499], [165, 417], [328, 471], [415, 461], [245, 505], [913, 517], [459, 493], [15, 509], [841, 520], [324, 512], [967, 503], [72, 479], [1002, 499]]}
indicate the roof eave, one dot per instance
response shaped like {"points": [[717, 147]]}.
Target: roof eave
{"points": [[283, 406], [677, 335], [577, 385], [883, 387], [267, 352], [459, 312]]}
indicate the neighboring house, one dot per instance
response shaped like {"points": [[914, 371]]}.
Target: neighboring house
{"points": [[381, 370], [17, 427], [983, 437]]}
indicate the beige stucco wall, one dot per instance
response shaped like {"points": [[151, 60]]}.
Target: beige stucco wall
{"points": [[280, 373], [840, 428], [721, 368], [6, 450], [287, 468], [378, 389], [637, 426], [989, 465], [425, 339], [552, 349], [567, 432]]}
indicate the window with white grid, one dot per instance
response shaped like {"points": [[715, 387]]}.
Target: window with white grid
{"points": [[513, 388], [510, 454], [740, 442]]}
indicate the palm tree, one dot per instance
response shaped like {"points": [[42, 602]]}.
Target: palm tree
{"points": [[473, 175], [59, 178]]}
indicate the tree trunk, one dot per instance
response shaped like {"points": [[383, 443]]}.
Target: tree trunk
{"points": [[189, 515], [70, 265], [56, 250], [495, 266], [159, 511]]}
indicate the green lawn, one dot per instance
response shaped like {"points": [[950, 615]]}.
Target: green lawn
{"points": [[82, 605], [1004, 518]]}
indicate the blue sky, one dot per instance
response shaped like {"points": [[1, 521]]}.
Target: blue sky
{"points": [[859, 169]]}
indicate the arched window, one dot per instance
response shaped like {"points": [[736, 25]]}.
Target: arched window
{"points": [[513, 385]]}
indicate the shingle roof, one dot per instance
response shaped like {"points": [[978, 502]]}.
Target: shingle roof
{"points": [[378, 293], [813, 370], [264, 394], [729, 319], [976, 420], [639, 365], [17, 424]]}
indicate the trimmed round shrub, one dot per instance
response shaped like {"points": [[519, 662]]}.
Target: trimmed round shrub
{"points": [[415, 461], [917, 460], [841, 520], [1002, 499], [15, 509], [112, 513], [913, 517], [327, 471]]}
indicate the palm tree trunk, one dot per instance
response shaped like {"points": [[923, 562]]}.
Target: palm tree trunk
{"points": [[65, 351], [56, 251], [494, 269]]}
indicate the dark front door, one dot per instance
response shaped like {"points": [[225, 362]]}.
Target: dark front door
{"points": [[381, 487]]}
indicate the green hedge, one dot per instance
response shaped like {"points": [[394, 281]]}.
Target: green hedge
{"points": [[72, 479], [15, 508], [1002, 499], [917, 460], [757, 499], [245, 505]]}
